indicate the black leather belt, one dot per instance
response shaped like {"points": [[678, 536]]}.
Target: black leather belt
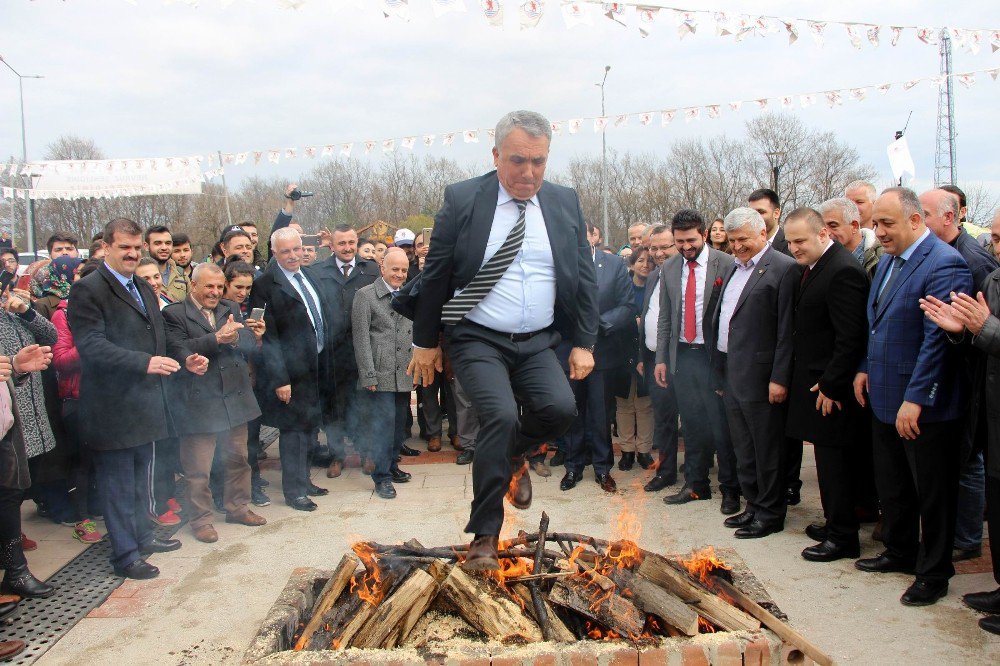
{"points": [[689, 347], [513, 337]]}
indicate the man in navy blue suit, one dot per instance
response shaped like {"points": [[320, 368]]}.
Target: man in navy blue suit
{"points": [[912, 376]]}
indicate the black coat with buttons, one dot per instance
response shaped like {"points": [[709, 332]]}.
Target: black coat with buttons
{"points": [[223, 397]]}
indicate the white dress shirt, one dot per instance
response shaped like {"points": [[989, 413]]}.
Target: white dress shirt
{"points": [[652, 314], [524, 299], [312, 292], [732, 295], [700, 273]]}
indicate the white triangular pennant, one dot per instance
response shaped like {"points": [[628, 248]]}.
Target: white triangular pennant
{"points": [[834, 98], [470, 136], [576, 13], [896, 33], [492, 12], [645, 118], [859, 94], [273, 156], [621, 120], [927, 35], [557, 128], [852, 34], [713, 110], [408, 142], [816, 29], [600, 123], [884, 88], [691, 113], [967, 80], [667, 116], [345, 149], [792, 30], [530, 13], [687, 24], [327, 151], [736, 106], [647, 19], [448, 138], [873, 34], [807, 100], [369, 146], [388, 145], [399, 9], [428, 140], [574, 125], [615, 11]]}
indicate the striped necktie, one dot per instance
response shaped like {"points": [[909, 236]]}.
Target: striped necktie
{"points": [[489, 273]]}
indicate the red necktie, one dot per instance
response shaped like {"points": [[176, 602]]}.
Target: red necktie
{"points": [[805, 274], [690, 295]]}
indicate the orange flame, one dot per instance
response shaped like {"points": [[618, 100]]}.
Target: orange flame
{"points": [[597, 633], [369, 588], [510, 568], [514, 478], [703, 563], [704, 626]]}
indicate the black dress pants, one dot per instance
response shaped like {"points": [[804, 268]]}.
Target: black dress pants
{"points": [[293, 448], [993, 518], [698, 407], [499, 375], [835, 468], [665, 423], [589, 437], [918, 485], [758, 432]]}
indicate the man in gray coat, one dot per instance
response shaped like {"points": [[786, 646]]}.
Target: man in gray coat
{"points": [[383, 346]]}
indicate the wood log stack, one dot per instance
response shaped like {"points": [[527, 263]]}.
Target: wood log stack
{"points": [[551, 586]]}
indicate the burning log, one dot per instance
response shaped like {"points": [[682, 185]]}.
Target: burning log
{"points": [[653, 599], [393, 619], [328, 597], [496, 616], [607, 608], [559, 631], [784, 631], [661, 571], [370, 589], [537, 601]]}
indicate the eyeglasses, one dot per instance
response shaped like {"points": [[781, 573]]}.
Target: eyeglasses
{"points": [[10, 261]]}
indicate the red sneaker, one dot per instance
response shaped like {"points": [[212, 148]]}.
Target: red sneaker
{"points": [[27, 544], [174, 505], [166, 518]]}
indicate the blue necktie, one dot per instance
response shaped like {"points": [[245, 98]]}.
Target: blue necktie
{"points": [[897, 265], [131, 288]]}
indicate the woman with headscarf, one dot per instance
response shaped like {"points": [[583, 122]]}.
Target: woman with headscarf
{"points": [[59, 277]]}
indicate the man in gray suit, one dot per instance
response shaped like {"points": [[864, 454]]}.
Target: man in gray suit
{"points": [[690, 288], [383, 346], [753, 321]]}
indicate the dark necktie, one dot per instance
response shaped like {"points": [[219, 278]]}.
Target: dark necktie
{"points": [[311, 304], [131, 288], [897, 265], [347, 269], [805, 276], [489, 274], [690, 296]]}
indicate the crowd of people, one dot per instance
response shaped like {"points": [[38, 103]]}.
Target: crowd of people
{"points": [[867, 327]]}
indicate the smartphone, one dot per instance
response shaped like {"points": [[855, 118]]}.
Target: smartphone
{"points": [[24, 282], [6, 278], [310, 239], [257, 314], [427, 236]]}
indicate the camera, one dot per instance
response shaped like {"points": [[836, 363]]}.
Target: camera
{"points": [[297, 194]]}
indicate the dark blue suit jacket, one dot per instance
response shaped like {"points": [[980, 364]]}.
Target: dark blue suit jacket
{"points": [[909, 358]]}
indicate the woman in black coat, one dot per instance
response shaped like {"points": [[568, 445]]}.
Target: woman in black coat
{"points": [[635, 410]]}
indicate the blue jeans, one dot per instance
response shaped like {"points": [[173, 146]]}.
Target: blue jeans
{"points": [[971, 503]]}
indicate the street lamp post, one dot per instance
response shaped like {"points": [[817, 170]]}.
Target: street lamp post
{"points": [[29, 203], [604, 160]]}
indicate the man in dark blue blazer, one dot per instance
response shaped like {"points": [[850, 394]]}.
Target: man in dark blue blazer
{"points": [[912, 376], [590, 432]]}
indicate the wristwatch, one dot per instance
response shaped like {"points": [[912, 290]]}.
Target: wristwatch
{"points": [[590, 348]]}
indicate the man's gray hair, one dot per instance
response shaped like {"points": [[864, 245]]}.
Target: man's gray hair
{"points": [[848, 209], [948, 203], [204, 267], [535, 124], [743, 216], [862, 185], [908, 199], [285, 233]]}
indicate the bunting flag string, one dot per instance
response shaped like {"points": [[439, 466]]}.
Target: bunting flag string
{"points": [[120, 169]]}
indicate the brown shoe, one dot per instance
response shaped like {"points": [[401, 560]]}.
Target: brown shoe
{"points": [[607, 483], [482, 555], [10, 649], [249, 518], [455, 444], [9, 599], [334, 470], [206, 534], [541, 469], [369, 465], [519, 492], [434, 444]]}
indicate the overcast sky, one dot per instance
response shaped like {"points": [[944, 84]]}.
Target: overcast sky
{"points": [[153, 79]]}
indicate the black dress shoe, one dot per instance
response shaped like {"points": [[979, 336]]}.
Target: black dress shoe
{"points": [[569, 481], [465, 457], [659, 483], [730, 504], [645, 460], [986, 602], [924, 593], [627, 461], [990, 623], [20, 581], [606, 482], [139, 570], [828, 551], [558, 459], [885, 563], [160, 546], [792, 496], [315, 491], [404, 450], [959, 554], [302, 504], [816, 532], [739, 520], [759, 528], [7, 609], [686, 494], [399, 476], [385, 490]]}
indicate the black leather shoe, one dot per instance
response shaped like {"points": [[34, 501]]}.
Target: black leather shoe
{"points": [[385, 490], [569, 481], [139, 570], [7, 609], [816, 532], [407, 451], [659, 483], [160, 546], [606, 482], [399, 476], [686, 495], [885, 563], [924, 593], [302, 504], [959, 554], [758, 529], [558, 459], [20, 581], [829, 551], [465, 457], [792, 496], [627, 461], [739, 520], [315, 491], [730, 504], [986, 602], [990, 624], [645, 460]]}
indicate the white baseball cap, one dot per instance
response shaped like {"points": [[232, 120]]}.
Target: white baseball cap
{"points": [[403, 237]]}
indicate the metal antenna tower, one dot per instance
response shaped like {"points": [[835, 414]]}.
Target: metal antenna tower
{"points": [[945, 166]]}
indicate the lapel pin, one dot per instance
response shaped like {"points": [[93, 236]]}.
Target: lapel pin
{"points": [[760, 271]]}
